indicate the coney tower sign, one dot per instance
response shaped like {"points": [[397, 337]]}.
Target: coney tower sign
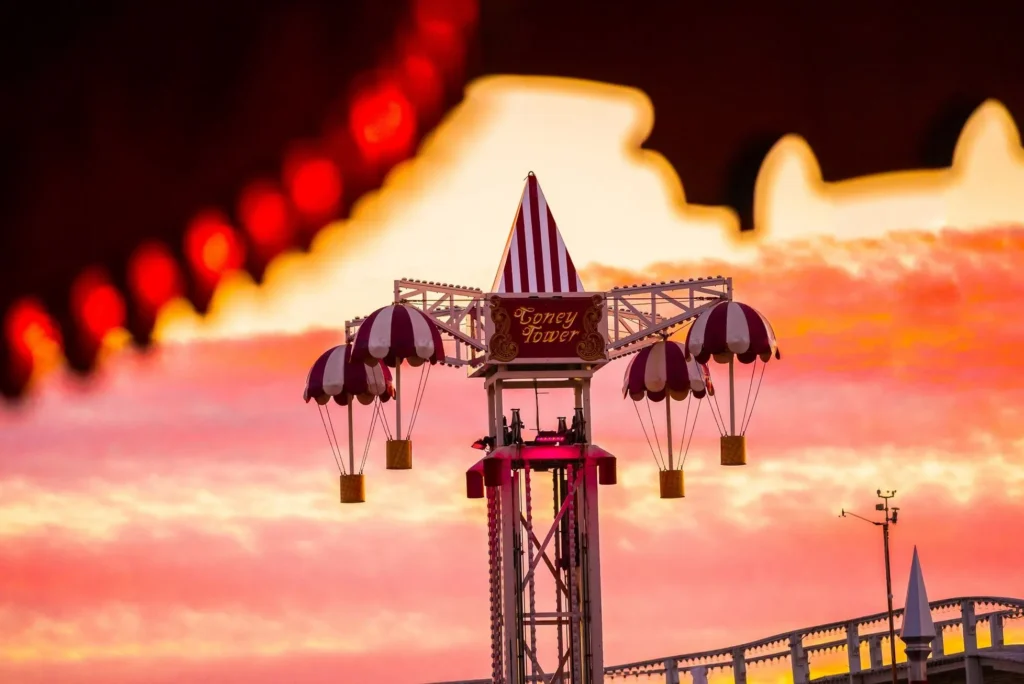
{"points": [[539, 329]]}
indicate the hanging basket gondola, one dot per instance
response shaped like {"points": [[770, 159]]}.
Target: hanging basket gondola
{"points": [[672, 484], [390, 335], [334, 375], [728, 332], [398, 454], [661, 372], [353, 488]]}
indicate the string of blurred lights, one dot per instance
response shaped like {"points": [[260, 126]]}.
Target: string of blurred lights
{"points": [[377, 124]]}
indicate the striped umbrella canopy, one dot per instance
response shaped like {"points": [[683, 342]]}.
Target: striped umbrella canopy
{"points": [[661, 370], [335, 374], [398, 332], [730, 329]]}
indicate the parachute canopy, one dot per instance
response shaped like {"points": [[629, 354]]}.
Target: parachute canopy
{"points": [[335, 374], [398, 332], [661, 370], [731, 329]]}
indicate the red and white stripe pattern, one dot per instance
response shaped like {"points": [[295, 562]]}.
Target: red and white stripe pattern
{"points": [[396, 333], [730, 329], [663, 369], [535, 258], [336, 375]]}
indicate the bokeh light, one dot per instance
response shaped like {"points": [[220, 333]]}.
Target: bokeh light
{"points": [[314, 183], [153, 276], [212, 246], [383, 122], [265, 215], [96, 304]]}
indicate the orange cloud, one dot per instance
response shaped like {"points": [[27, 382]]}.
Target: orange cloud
{"points": [[917, 306]]}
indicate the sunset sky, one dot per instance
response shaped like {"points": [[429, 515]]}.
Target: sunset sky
{"points": [[177, 519]]}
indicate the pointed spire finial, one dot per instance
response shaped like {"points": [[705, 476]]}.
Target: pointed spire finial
{"points": [[917, 616], [535, 258]]}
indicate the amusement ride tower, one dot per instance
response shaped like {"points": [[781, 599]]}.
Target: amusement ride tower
{"points": [[538, 329]]}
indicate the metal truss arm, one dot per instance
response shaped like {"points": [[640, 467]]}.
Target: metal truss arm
{"points": [[639, 312]]}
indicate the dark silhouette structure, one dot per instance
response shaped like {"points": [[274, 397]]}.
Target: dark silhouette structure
{"points": [[121, 120]]}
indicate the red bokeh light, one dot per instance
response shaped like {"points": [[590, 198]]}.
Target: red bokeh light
{"points": [[314, 183], [212, 246], [96, 304], [153, 275], [459, 15], [445, 50], [264, 213], [383, 123], [26, 323], [421, 79]]}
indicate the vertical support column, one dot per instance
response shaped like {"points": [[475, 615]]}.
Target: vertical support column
{"points": [[995, 628], [938, 643], [592, 540], [875, 651], [491, 424], [574, 599], [732, 395], [739, 666], [671, 671], [494, 566], [398, 399], [798, 660], [853, 648], [699, 674], [499, 413], [531, 587], [517, 544], [969, 624], [510, 578], [917, 650], [351, 442], [668, 431], [586, 410], [556, 497]]}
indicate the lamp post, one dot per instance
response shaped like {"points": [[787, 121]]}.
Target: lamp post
{"points": [[890, 515]]}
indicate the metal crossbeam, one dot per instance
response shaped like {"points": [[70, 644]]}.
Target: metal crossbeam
{"points": [[639, 314]]}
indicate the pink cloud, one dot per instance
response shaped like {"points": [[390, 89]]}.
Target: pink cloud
{"points": [[197, 483]]}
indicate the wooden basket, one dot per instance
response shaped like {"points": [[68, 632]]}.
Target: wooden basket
{"points": [[734, 450], [353, 489], [399, 454], [672, 485]]}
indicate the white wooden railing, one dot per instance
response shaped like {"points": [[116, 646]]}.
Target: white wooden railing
{"points": [[847, 635]]}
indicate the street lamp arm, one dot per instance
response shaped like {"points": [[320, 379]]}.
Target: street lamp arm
{"points": [[846, 513]]}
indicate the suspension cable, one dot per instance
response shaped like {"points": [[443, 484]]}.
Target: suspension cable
{"points": [[384, 420], [757, 391], [720, 420], [334, 451], [644, 428], [690, 440], [420, 392], [654, 427], [750, 387], [369, 436], [686, 419]]}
